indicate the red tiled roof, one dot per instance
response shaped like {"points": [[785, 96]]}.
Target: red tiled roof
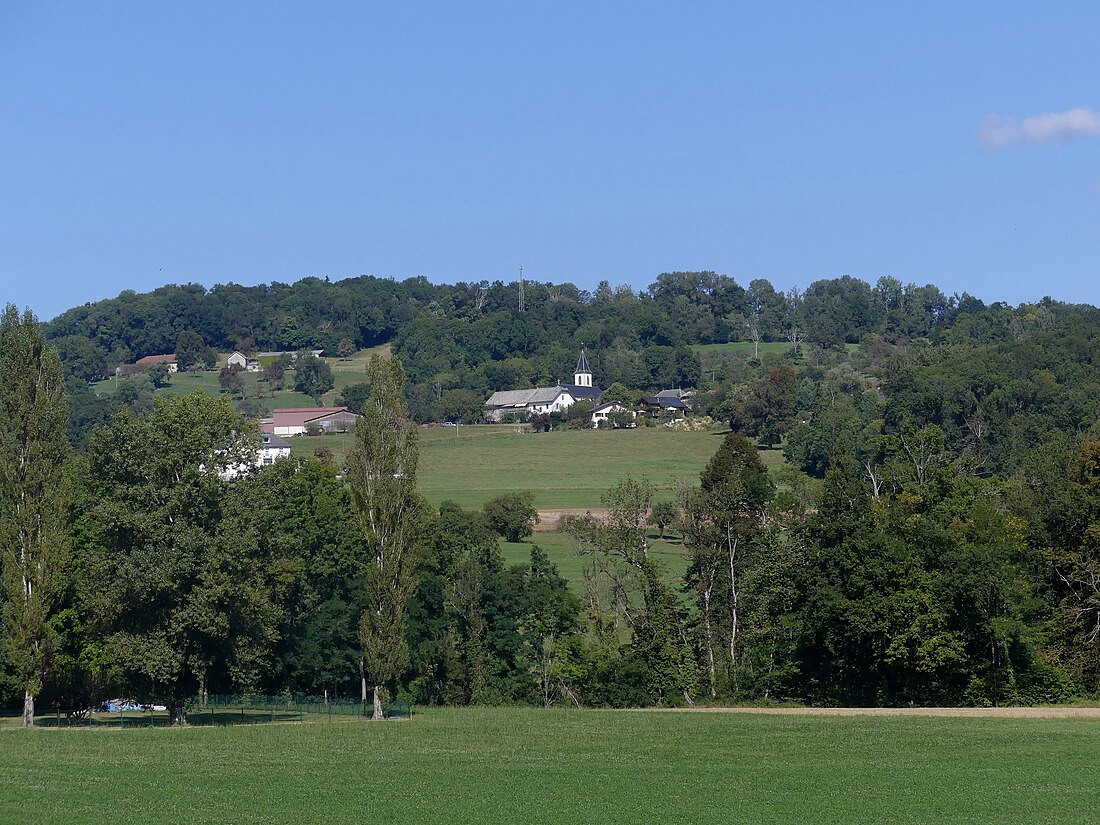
{"points": [[298, 416], [150, 360]]}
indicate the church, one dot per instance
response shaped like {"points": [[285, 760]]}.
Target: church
{"points": [[525, 403]]}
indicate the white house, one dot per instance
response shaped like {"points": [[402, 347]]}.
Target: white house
{"points": [[243, 362], [271, 449], [603, 413], [528, 402], [525, 403]]}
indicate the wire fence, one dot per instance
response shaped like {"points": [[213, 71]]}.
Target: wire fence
{"points": [[214, 710], [306, 706]]}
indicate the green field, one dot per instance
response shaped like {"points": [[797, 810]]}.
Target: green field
{"points": [[744, 348], [568, 468], [475, 765], [562, 550]]}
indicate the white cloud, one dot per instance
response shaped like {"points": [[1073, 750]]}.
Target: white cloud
{"points": [[998, 132]]}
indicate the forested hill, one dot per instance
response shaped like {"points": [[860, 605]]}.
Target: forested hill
{"points": [[473, 335]]}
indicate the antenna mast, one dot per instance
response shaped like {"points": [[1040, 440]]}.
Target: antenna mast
{"points": [[522, 302]]}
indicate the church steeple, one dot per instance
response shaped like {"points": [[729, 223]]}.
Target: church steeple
{"points": [[583, 375]]}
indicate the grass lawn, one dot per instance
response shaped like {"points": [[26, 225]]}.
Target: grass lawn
{"points": [[570, 468], [747, 348], [561, 550], [562, 766]]}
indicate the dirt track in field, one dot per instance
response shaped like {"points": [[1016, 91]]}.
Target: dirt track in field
{"points": [[548, 519], [976, 713]]}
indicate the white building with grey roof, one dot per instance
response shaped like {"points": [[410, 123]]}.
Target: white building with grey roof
{"points": [[525, 403]]}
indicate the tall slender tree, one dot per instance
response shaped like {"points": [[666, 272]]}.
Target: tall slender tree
{"points": [[382, 472], [34, 495]]}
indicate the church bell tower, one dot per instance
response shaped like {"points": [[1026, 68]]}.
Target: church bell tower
{"points": [[583, 376]]}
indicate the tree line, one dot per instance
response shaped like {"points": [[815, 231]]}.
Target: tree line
{"points": [[932, 541], [461, 342]]}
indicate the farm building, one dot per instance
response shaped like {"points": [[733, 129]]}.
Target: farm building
{"points": [[302, 420], [152, 360]]}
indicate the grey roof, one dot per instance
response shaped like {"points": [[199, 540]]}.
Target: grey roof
{"points": [[582, 363], [521, 398], [270, 440], [671, 394], [583, 393], [665, 402]]}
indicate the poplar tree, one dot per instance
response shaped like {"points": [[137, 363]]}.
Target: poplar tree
{"points": [[34, 495], [382, 471]]}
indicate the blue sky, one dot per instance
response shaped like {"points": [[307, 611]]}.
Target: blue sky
{"points": [[951, 143]]}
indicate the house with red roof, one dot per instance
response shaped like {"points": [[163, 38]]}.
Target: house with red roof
{"points": [[152, 360], [300, 420]]}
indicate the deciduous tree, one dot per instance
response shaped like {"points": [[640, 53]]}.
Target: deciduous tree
{"points": [[34, 496], [178, 574]]}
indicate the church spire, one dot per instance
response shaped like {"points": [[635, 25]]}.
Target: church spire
{"points": [[583, 375]]}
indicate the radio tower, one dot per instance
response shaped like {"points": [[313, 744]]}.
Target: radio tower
{"points": [[522, 302]]}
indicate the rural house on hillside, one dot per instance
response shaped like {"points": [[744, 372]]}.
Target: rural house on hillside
{"points": [[270, 450], [613, 410], [152, 360], [525, 403], [239, 359], [656, 404]]}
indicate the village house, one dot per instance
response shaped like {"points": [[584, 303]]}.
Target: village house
{"points": [[604, 412], [654, 405], [242, 361], [525, 403], [271, 449]]}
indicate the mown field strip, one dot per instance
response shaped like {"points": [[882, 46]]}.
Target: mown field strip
{"points": [[563, 766]]}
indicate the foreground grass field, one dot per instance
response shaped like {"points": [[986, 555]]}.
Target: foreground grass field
{"points": [[560, 767]]}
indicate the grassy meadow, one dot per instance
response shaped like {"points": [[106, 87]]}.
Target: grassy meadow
{"points": [[562, 766], [561, 550], [568, 468]]}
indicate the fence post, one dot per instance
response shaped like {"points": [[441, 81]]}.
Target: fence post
{"points": [[211, 717]]}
